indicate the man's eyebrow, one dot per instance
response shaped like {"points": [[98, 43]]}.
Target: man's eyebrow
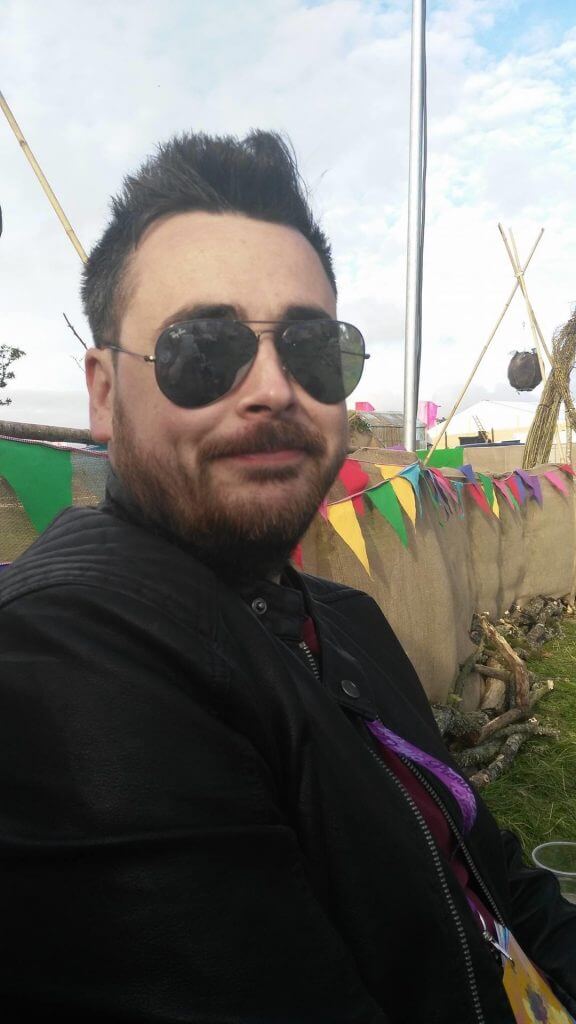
{"points": [[305, 313], [223, 310], [202, 311]]}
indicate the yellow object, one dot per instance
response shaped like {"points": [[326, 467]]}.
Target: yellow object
{"points": [[531, 998], [345, 521]]}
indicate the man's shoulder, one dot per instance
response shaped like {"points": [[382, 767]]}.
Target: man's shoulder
{"points": [[330, 591], [81, 546]]}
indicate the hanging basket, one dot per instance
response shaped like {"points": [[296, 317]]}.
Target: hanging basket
{"points": [[524, 371]]}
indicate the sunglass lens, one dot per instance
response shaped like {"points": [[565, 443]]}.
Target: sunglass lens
{"points": [[325, 357], [199, 361]]}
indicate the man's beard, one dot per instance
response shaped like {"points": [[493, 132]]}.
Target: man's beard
{"points": [[241, 538]]}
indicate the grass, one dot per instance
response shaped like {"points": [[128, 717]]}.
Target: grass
{"points": [[536, 798]]}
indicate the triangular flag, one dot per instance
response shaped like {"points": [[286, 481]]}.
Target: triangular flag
{"points": [[444, 483], [520, 486], [505, 493], [468, 473], [412, 475], [388, 472], [384, 499], [459, 486], [487, 487], [476, 492], [438, 495], [557, 482], [531, 482], [514, 485], [345, 522], [495, 505], [567, 468], [537, 490], [405, 495], [355, 481], [296, 556]]}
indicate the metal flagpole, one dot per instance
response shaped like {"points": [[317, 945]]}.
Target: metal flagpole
{"points": [[416, 217]]}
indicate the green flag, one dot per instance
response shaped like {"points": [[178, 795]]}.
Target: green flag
{"points": [[40, 476], [384, 499]]}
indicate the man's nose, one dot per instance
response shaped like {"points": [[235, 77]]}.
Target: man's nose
{"points": [[268, 387]]}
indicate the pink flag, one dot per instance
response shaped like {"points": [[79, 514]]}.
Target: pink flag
{"points": [[364, 407], [557, 481], [428, 413]]}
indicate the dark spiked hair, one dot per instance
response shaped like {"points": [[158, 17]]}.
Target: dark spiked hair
{"points": [[256, 176]]}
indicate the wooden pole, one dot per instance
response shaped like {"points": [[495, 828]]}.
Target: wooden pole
{"points": [[537, 335], [39, 432], [456, 405], [42, 179]]}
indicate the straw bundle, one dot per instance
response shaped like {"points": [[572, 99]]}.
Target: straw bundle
{"points": [[556, 390]]}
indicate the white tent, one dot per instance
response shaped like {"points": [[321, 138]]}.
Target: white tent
{"points": [[502, 421]]}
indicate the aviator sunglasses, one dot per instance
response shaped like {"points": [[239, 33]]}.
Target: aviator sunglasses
{"points": [[197, 362]]}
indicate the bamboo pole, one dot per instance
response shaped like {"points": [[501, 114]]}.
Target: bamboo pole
{"points": [[456, 405], [537, 335], [42, 179]]}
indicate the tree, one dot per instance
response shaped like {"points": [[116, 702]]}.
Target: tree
{"points": [[8, 355]]}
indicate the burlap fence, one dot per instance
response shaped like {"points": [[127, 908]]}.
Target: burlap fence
{"points": [[429, 590]]}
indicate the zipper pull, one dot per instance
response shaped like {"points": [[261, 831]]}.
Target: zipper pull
{"points": [[493, 942]]}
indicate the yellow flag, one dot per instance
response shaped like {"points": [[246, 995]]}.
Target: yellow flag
{"points": [[345, 521], [495, 506], [388, 471], [405, 495]]}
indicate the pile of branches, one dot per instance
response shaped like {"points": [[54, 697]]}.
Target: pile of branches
{"points": [[556, 390], [485, 742]]}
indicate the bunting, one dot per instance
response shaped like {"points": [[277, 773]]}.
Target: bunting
{"points": [[556, 481], [384, 499], [403, 490], [343, 518], [399, 496]]}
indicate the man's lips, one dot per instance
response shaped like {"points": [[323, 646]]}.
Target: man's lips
{"points": [[279, 457]]}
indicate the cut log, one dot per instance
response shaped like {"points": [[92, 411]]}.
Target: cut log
{"points": [[520, 684], [493, 672], [501, 762], [515, 714], [494, 698]]}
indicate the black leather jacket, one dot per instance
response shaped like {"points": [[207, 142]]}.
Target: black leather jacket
{"points": [[193, 829]]}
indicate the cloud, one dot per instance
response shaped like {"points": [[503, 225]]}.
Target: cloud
{"points": [[96, 86]]}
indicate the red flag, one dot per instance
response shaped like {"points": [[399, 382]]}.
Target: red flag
{"points": [[296, 556], [477, 493], [355, 481], [513, 485]]}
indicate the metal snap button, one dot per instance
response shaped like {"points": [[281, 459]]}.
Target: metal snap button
{"points": [[259, 606], [350, 688]]}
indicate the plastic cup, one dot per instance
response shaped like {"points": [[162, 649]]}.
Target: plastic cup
{"points": [[560, 858]]}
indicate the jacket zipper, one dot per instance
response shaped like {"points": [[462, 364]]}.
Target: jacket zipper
{"points": [[444, 885], [310, 658], [435, 855], [490, 901]]}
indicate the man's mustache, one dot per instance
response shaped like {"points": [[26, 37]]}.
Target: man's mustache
{"points": [[268, 437]]}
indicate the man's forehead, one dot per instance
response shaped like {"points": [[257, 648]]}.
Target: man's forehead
{"points": [[257, 267]]}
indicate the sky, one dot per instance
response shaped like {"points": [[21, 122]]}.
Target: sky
{"points": [[96, 86]]}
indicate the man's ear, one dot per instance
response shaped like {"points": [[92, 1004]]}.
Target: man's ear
{"points": [[100, 380]]}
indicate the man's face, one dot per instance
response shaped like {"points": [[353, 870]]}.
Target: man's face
{"points": [[240, 479]]}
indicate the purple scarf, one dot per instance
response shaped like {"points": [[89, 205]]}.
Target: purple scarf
{"points": [[458, 786]]}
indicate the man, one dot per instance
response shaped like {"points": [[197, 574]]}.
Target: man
{"points": [[224, 798]]}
